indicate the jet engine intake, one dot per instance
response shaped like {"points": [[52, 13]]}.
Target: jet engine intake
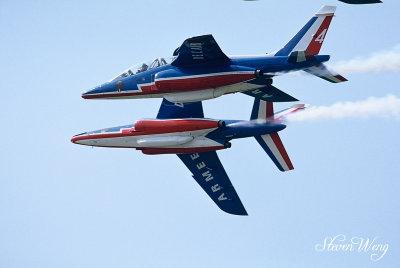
{"points": [[258, 73], [227, 144], [221, 124]]}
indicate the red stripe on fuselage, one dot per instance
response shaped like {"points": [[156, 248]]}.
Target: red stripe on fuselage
{"points": [[170, 126], [203, 82], [281, 149], [149, 127], [102, 136]]}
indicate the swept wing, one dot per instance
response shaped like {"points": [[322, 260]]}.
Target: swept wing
{"points": [[206, 167], [210, 175]]}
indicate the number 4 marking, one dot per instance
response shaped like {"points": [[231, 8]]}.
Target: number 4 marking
{"points": [[321, 36]]}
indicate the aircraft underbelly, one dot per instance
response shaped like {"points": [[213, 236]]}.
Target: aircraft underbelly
{"points": [[210, 93]]}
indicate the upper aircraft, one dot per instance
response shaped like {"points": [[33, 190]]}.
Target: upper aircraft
{"points": [[180, 128], [199, 70]]}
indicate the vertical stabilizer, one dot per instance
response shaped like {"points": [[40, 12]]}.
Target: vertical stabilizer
{"points": [[262, 109], [312, 35]]}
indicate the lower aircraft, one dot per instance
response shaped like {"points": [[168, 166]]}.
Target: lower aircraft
{"points": [[182, 129]]}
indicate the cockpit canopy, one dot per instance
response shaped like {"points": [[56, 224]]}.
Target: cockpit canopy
{"points": [[144, 66]]}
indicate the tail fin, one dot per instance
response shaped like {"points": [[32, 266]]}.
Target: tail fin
{"points": [[262, 109], [271, 143], [312, 35]]}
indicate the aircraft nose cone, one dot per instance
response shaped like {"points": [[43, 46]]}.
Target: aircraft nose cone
{"points": [[85, 94], [78, 137], [89, 94], [100, 91]]}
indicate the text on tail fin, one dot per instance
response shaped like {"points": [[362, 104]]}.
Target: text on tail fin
{"points": [[312, 35]]}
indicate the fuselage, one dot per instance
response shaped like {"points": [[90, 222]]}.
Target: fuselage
{"points": [[176, 136], [196, 83]]}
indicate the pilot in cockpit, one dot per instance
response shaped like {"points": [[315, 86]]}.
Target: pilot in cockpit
{"points": [[143, 68]]}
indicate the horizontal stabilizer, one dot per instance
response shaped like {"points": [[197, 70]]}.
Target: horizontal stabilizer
{"points": [[270, 93], [272, 145], [265, 110], [322, 72], [279, 117]]}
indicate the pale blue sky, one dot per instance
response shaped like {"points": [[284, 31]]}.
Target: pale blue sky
{"points": [[64, 205]]}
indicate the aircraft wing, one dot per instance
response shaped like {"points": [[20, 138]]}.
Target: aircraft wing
{"points": [[206, 167], [199, 50], [170, 110], [210, 175]]}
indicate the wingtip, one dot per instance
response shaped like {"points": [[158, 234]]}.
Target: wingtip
{"points": [[238, 212], [341, 78]]}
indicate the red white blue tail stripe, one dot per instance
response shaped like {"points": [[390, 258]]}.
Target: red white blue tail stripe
{"points": [[271, 143], [273, 146], [312, 35], [262, 109]]}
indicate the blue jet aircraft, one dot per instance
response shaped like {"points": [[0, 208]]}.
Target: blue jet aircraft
{"points": [[199, 70], [182, 129]]}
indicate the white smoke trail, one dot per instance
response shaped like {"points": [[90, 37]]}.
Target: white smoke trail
{"points": [[380, 61], [388, 106]]}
